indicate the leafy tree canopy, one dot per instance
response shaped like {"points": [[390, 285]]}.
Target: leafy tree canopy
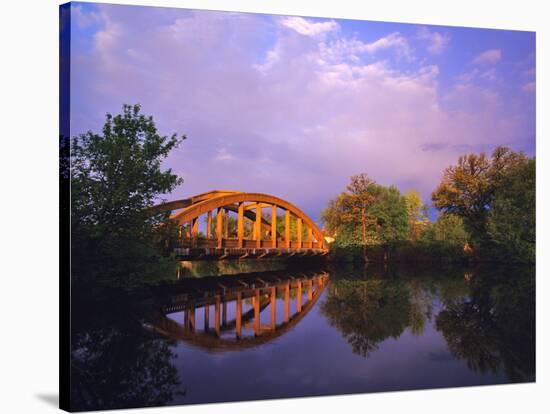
{"points": [[115, 177], [468, 188]]}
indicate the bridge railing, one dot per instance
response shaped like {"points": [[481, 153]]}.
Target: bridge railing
{"points": [[188, 242]]}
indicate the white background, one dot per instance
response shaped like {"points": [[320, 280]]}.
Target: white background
{"points": [[29, 204]]}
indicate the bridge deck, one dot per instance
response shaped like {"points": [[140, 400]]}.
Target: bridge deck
{"points": [[206, 253]]}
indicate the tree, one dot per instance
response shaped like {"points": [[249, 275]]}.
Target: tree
{"points": [[468, 188], [349, 209], [115, 178], [389, 214], [359, 199], [366, 214], [511, 220], [418, 214], [448, 228]]}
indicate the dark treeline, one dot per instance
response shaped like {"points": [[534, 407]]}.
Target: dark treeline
{"points": [[486, 213]]}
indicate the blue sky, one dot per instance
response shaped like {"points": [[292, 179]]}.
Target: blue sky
{"points": [[294, 106]]}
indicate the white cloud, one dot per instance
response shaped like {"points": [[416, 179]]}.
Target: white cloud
{"points": [[347, 49], [307, 27], [488, 57], [437, 42]]}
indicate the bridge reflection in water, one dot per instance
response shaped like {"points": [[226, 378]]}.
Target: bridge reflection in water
{"points": [[231, 309]]}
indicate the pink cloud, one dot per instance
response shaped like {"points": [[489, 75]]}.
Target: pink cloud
{"points": [[436, 42], [488, 57], [529, 87]]}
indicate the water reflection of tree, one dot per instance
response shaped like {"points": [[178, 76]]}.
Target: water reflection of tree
{"points": [[421, 306], [494, 326], [368, 311], [115, 363]]}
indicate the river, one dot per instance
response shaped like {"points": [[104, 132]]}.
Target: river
{"points": [[296, 332]]}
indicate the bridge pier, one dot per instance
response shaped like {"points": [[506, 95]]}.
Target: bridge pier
{"points": [[287, 229], [299, 232], [273, 226], [209, 225], [257, 226], [219, 234], [240, 225]]}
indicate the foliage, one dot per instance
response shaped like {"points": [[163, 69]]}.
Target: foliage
{"points": [[468, 188], [511, 220], [447, 228], [496, 200], [418, 214], [366, 214], [115, 178]]}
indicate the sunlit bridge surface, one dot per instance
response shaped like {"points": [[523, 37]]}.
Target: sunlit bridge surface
{"points": [[289, 334], [254, 234]]}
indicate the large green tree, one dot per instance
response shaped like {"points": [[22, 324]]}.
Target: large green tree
{"points": [[115, 177], [367, 214], [468, 188], [511, 220]]}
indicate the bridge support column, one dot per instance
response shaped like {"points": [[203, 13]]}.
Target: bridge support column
{"points": [[287, 229], [258, 226], [240, 225], [299, 232], [219, 234], [224, 313], [194, 231], [209, 225], [238, 315], [310, 237], [274, 226], [310, 290], [226, 224]]}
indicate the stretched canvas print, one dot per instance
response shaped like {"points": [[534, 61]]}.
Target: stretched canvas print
{"points": [[263, 206]]}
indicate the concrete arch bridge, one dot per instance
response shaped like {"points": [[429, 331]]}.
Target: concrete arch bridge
{"points": [[256, 234]]}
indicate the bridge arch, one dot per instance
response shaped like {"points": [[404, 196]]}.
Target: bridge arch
{"points": [[246, 205]]}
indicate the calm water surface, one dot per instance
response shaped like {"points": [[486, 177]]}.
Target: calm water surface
{"points": [[295, 333]]}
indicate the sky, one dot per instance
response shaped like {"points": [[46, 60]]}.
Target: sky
{"points": [[293, 106]]}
